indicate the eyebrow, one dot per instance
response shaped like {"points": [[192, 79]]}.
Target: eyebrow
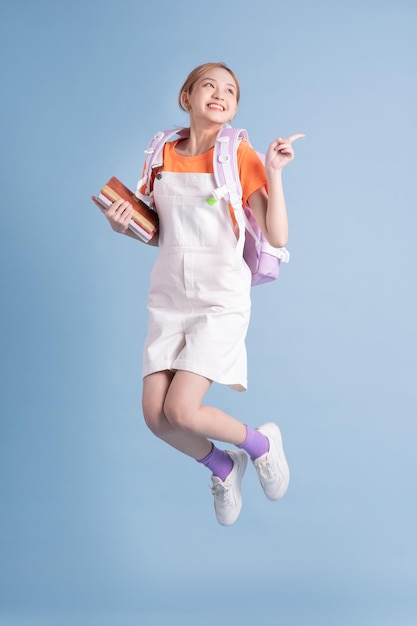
{"points": [[216, 81]]}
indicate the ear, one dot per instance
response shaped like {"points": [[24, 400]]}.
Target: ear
{"points": [[185, 100]]}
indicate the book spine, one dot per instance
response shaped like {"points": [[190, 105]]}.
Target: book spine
{"points": [[104, 201], [142, 234]]}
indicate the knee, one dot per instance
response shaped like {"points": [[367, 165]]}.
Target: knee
{"points": [[154, 418], [178, 414]]}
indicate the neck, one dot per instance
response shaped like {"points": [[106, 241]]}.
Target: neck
{"points": [[201, 139]]}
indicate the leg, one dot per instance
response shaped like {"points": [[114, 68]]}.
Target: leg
{"points": [[155, 388], [188, 391], [184, 411]]}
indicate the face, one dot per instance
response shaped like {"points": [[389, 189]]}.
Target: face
{"points": [[213, 97]]}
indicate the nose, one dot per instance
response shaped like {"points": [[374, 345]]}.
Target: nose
{"points": [[217, 97]]}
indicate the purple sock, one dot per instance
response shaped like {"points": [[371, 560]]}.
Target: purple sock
{"points": [[255, 444], [219, 462]]}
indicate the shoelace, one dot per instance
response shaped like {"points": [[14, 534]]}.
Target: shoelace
{"points": [[266, 469], [221, 491]]}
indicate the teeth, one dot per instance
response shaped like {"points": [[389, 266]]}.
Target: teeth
{"points": [[215, 106]]}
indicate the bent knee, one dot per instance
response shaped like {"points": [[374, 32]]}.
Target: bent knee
{"points": [[179, 414], [155, 418]]}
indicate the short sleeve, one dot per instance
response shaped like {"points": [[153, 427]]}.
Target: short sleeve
{"points": [[251, 170]]}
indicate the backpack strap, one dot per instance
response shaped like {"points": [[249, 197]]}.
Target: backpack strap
{"points": [[225, 165], [228, 180], [154, 157]]}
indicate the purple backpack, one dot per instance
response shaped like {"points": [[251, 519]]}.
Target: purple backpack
{"points": [[262, 258]]}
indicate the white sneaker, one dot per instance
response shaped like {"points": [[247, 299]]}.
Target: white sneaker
{"points": [[227, 493], [272, 467]]}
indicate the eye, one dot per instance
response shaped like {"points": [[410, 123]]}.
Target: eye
{"points": [[208, 84]]}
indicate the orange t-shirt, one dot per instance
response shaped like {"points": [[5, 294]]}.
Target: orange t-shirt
{"points": [[250, 167]]}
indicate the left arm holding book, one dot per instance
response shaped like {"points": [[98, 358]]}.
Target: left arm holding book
{"points": [[119, 215], [126, 213]]}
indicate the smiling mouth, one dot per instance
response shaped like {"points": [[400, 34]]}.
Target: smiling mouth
{"points": [[217, 107]]}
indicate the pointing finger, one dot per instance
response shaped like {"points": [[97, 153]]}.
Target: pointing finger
{"points": [[292, 138]]}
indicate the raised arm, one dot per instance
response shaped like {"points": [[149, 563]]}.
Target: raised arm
{"points": [[269, 209]]}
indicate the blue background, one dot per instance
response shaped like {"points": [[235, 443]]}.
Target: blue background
{"points": [[100, 522]]}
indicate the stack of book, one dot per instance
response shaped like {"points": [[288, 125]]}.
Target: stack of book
{"points": [[144, 222]]}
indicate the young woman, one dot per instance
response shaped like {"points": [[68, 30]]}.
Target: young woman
{"points": [[199, 299]]}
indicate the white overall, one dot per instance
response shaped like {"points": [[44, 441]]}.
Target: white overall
{"points": [[199, 298]]}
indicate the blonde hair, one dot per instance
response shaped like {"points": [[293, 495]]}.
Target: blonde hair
{"points": [[196, 73]]}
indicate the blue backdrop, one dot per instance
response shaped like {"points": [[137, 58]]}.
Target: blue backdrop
{"points": [[100, 522]]}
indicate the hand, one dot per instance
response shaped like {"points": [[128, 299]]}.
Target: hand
{"points": [[118, 214], [280, 152]]}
